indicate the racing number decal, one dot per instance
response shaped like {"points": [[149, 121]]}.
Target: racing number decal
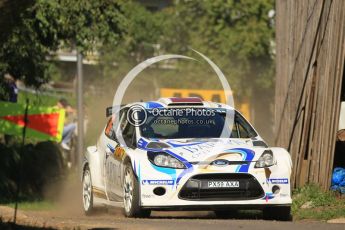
{"points": [[112, 167]]}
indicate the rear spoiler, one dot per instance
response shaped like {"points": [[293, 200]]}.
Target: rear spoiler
{"points": [[182, 101], [111, 110]]}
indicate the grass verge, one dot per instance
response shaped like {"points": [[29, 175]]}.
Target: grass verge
{"points": [[310, 202], [41, 205]]}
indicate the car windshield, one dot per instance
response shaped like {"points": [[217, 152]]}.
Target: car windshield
{"points": [[174, 123]]}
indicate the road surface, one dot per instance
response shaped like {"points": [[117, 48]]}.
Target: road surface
{"points": [[68, 214], [113, 219]]}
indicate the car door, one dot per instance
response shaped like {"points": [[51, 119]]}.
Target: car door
{"points": [[113, 154], [129, 136]]}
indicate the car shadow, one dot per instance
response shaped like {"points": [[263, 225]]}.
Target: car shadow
{"points": [[240, 215], [231, 215]]}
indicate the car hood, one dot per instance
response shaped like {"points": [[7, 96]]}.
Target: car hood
{"points": [[206, 150]]}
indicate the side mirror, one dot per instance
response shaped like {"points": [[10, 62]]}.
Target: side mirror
{"points": [[111, 110], [108, 111]]}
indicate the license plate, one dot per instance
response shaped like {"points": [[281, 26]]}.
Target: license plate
{"points": [[223, 184]]}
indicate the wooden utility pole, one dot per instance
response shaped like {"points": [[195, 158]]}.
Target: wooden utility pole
{"points": [[80, 110]]}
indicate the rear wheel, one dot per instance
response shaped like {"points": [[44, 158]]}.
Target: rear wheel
{"points": [[131, 195], [87, 192], [277, 213]]}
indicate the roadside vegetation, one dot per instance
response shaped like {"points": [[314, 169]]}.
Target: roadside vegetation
{"points": [[310, 202], [238, 34], [42, 167], [38, 205]]}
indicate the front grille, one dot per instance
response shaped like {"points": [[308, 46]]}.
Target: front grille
{"points": [[196, 188]]}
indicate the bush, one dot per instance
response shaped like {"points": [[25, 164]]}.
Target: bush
{"points": [[41, 167]]}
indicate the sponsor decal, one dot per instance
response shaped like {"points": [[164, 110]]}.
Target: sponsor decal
{"points": [[201, 147], [157, 182], [198, 150], [98, 192], [177, 144], [284, 195], [278, 181], [142, 143], [221, 162], [147, 196], [247, 155], [268, 196], [112, 149], [153, 105]]}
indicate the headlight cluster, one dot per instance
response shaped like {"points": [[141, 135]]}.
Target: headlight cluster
{"points": [[265, 160], [162, 159]]}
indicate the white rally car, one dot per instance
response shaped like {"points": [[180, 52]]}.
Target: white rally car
{"points": [[177, 160]]}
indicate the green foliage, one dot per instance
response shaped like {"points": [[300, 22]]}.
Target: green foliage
{"points": [[322, 205], [237, 35], [143, 29], [41, 167], [82, 23], [244, 27], [313, 194], [42, 98], [41, 26], [36, 205], [321, 213]]}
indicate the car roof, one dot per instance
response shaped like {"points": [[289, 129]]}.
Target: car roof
{"points": [[179, 102]]}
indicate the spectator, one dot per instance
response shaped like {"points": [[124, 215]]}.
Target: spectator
{"points": [[70, 123], [12, 88], [10, 96]]}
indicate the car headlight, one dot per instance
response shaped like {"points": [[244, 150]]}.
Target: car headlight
{"points": [[165, 160], [265, 160]]}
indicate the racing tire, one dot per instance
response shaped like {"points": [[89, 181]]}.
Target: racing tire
{"points": [[277, 213], [87, 192], [131, 195]]}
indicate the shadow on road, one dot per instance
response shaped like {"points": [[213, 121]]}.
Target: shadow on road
{"points": [[250, 215], [240, 215]]}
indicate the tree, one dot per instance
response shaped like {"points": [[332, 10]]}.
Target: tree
{"points": [[236, 33], [143, 29], [38, 27]]}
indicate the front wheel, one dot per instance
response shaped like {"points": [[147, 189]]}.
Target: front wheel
{"points": [[131, 195], [87, 192]]}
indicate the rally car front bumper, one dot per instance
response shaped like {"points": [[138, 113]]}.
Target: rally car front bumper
{"points": [[254, 191]]}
